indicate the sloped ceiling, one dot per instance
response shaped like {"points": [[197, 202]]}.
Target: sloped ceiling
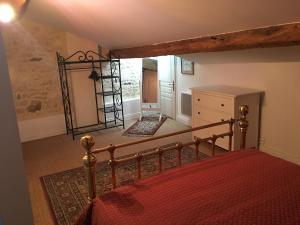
{"points": [[128, 23]]}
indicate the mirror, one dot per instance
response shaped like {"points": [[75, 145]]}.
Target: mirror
{"points": [[149, 81]]}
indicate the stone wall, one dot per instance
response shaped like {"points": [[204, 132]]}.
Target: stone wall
{"points": [[31, 55], [131, 70]]}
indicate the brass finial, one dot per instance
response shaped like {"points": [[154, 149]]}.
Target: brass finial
{"points": [[139, 156], [179, 145], [197, 140], [244, 110], [214, 137], [87, 142], [111, 148]]}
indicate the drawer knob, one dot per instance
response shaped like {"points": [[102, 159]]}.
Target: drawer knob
{"points": [[198, 113], [222, 120], [198, 99], [222, 105]]}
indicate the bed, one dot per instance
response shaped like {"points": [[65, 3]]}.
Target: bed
{"points": [[245, 187]]}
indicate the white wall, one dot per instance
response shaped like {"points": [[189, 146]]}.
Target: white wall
{"points": [[131, 108], [15, 207], [131, 73], [41, 127], [81, 88], [275, 71], [55, 125], [83, 97]]}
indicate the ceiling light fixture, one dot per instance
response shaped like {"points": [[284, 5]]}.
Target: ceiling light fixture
{"points": [[7, 13], [12, 9]]}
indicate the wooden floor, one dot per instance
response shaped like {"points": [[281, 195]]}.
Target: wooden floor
{"points": [[59, 153]]}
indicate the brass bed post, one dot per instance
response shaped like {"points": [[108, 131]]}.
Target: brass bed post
{"points": [[160, 154], [111, 149], [213, 144], [89, 163], [243, 123], [139, 158], [197, 143], [179, 147], [89, 160], [231, 123]]}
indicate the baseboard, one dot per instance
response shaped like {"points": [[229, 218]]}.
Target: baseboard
{"points": [[184, 119], [280, 154], [49, 126], [132, 116], [41, 128]]}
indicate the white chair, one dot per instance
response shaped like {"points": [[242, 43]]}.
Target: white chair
{"points": [[150, 108]]}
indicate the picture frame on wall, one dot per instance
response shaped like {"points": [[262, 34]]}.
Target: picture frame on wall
{"points": [[187, 67]]}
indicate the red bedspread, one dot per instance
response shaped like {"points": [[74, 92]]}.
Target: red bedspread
{"points": [[240, 188]]}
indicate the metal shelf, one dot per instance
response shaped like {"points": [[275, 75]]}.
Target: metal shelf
{"points": [[93, 62], [108, 93], [109, 109], [109, 77]]}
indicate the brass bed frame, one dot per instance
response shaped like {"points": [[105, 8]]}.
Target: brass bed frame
{"points": [[89, 159]]}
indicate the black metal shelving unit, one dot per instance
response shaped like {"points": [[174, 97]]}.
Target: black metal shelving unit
{"points": [[105, 73]]}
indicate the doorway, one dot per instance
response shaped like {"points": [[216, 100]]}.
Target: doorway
{"points": [[158, 84], [167, 86], [149, 86]]}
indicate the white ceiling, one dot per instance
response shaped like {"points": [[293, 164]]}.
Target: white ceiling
{"points": [[127, 23]]}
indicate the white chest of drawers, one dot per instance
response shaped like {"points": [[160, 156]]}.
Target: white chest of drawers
{"points": [[216, 103]]}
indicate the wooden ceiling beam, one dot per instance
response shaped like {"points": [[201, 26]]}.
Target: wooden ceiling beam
{"points": [[272, 36]]}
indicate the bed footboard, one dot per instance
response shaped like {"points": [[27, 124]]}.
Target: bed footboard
{"points": [[89, 159]]}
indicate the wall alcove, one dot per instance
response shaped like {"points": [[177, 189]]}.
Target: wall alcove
{"points": [[104, 77]]}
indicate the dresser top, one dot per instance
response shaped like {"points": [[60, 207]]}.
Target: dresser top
{"points": [[227, 90]]}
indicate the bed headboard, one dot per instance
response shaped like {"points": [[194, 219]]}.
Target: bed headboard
{"points": [[89, 159]]}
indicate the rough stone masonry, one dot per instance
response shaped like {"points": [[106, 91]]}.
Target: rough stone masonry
{"points": [[30, 51]]}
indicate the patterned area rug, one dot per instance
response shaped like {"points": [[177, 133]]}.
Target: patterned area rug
{"points": [[67, 190], [147, 127]]}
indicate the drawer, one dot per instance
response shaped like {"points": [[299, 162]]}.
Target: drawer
{"points": [[213, 102], [210, 115]]}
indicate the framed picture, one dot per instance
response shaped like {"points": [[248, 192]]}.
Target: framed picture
{"points": [[187, 67]]}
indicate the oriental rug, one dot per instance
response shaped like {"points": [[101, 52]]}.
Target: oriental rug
{"points": [[146, 127], [66, 191]]}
